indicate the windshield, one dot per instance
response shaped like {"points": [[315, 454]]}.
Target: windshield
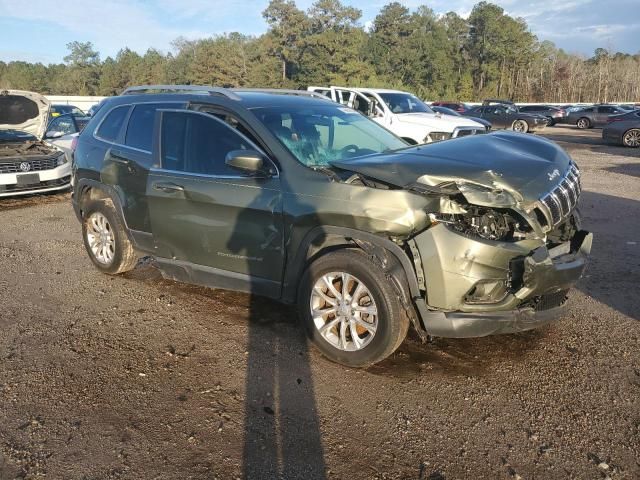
{"points": [[15, 136], [404, 103], [320, 134]]}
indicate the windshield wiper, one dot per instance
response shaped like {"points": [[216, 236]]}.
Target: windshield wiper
{"points": [[327, 171]]}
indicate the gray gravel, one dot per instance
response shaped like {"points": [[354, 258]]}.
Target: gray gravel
{"points": [[137, 377]]}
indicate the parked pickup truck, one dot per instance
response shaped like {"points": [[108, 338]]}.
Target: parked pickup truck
{"points": [[403, 113]]}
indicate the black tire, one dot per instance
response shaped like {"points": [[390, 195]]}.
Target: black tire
{"points": [[520, 126], [124, 256], [583, 123], [392, 321], [550, 122]]}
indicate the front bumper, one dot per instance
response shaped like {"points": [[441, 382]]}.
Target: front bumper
{"points": [[476, 287], [58, 178]]}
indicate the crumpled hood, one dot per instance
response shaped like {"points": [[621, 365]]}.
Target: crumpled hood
{"points": [[24, 111], [436, 121], [520, 163]]}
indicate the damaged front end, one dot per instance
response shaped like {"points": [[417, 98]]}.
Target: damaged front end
{"points": [[494, 258]]}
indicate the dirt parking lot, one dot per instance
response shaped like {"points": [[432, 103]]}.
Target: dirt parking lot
{"points": [[137, 377]]}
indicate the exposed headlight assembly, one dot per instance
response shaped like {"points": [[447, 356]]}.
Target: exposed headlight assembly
{"points": [[488, 197], [484, 223], [62, 159], [437, 137]]}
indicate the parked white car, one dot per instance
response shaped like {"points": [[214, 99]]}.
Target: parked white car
{"points": [[63, 130], [403, 113], [27, 164]]}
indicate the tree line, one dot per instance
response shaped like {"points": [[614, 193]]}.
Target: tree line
{"points": [[488, 54]]}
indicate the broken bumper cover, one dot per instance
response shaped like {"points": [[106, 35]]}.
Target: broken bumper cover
{"points": [[528, 283]]}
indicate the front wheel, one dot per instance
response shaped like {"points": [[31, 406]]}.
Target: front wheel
{"points": [[350, 310], [631, 138], [520, 126]]}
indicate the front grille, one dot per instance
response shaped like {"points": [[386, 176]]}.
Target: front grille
{"points": [[463, 132], [35, 165], [563, 199]]}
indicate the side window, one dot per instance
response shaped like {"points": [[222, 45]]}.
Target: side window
{"points": [[587, 110], [140, 129], [63, 124], [198, 143], [110, 126]]}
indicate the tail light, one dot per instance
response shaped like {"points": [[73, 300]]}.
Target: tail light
{"points": [[74, 144]]}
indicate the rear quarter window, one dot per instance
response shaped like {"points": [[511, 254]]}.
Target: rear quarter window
{"points": [[112, 123], [140, 128]]}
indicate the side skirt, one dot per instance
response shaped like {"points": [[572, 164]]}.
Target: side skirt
{"points": [[211, 277]]}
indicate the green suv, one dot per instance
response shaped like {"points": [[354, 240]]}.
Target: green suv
{"points": [[289, 195]]}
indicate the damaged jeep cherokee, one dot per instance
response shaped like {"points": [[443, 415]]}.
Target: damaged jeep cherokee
{"points": [[288, 195]]}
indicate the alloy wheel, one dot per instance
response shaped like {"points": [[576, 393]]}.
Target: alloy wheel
{"points": [[632, 138], [100, 238], [519, 126], [344, 311], [583, 123]]}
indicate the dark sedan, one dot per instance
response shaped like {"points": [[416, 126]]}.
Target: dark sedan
{"points": [[554, 114], [594, 116], [448, 111], [507, 116], [623, 130]]}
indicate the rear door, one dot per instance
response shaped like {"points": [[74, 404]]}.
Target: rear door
{"points": [[602, 114], [128, 159], [206, 213]]}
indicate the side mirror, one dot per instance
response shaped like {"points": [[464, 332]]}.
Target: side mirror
{"points": [[53, 134], [248, 161]]}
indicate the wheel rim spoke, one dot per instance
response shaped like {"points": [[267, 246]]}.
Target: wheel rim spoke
{"points": [[100, 238], [338, 303]]}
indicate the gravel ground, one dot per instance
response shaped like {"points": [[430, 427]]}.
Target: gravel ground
{"points": [[138, 377]]}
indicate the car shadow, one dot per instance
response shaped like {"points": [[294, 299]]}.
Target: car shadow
{"points": [[631, 169], [615, 256], [282, 436]]}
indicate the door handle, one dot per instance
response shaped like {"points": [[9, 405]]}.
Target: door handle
{"points": [[168, 187], [117, 157]]}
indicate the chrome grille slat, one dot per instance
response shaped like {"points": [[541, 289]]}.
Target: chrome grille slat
{"points": [[564, 197], [36, 165]]}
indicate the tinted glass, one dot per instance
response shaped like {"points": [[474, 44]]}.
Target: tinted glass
{"points": [[112, 123], [317, 135], [140, 127], [606, 110], [198, 143]]}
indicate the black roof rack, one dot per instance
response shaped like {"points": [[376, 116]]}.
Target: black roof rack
{"points": [[282, 91], [198, 89]]}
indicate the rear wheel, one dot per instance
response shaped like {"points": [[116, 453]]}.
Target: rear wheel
{"points": [[520, 126], [583, 123], [631, 138], [105, 239], [350, 310]]}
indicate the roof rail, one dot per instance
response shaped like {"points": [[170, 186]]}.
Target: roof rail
{"points": [[201, 89], [282, 91]]}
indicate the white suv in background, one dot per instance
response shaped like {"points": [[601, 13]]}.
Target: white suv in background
{"points": [[27, 164], [403, 113]]}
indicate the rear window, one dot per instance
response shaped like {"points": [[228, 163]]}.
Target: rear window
{"points": [[110, 126], [140, 128]]}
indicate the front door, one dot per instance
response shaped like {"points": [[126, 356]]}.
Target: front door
{"points": [[206, 214]]}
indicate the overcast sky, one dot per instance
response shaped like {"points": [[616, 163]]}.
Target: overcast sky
{"points": [[38, 30]]}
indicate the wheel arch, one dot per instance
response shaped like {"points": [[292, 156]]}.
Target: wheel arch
{"points": [[392, 259], [87, 190]]}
